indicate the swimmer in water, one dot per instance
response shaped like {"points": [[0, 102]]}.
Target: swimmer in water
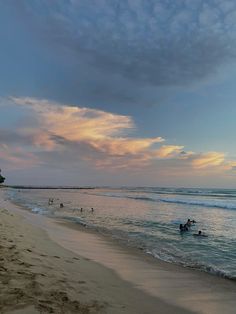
{"points": [[183, 228], [190, 222], [199, 234]]}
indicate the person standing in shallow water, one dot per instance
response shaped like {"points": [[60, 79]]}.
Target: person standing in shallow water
{"points": [[50, 201]]}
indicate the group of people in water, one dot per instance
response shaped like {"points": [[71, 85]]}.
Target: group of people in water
{"points": [[82, 209], [186, 227], [51, 200]]}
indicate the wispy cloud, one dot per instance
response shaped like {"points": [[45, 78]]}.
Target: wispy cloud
{"points": [[209, 159], [167, 151], [17, 157]]}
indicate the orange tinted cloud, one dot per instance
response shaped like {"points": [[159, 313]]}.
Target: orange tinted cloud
{"points": [[125, 146], [103, 131], [101, 138], [76, 123], [167, 151], [210, 159]]}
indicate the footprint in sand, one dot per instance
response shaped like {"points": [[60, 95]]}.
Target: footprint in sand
{"points": [[69, 261], [40, 274]]}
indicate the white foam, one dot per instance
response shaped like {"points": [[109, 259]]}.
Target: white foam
{"points": [[37, 210]]}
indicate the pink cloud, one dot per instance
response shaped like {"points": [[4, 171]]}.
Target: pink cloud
{"points": [[101, 139]]}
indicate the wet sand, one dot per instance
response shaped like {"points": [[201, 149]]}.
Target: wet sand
{"points": [[57, 267]]}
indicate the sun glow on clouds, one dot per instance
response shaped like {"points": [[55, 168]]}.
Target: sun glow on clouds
{"points": [[98, 138], [208, 159], [101, 130]]}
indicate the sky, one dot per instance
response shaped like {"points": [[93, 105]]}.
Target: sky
{"points": [[118, 92]]}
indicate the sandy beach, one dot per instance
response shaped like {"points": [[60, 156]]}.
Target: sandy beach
{"points": [[88, 273]]}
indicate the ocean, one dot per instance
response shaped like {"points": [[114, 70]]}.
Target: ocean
{"points": [[148, 218]]}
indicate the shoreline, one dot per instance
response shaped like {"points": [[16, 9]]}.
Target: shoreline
{"points": [[39, 276], [162, 287], [79, 225]]}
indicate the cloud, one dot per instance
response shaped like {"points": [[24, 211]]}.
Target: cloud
{"points": [[210, 159], [96, 135], [148, 43], [69, 136], [17, 157], [229, 166], [75, 123], [168, 151]]}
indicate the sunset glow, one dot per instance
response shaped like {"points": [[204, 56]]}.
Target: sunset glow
{"points": [[148, 102]]}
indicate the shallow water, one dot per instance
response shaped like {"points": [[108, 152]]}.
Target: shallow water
{"points": [[149, 218]]}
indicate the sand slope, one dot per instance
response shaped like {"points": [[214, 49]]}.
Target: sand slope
{"points": [[29, 275]]}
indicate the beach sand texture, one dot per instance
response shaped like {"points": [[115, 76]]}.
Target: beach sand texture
{"points": [[39, 276]]}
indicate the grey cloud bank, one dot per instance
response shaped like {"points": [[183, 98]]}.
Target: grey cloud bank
{"points": [[117, 47]]}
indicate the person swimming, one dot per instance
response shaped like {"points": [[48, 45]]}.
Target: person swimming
{"points": [[190, 222], [199, 234], [183, 228]]}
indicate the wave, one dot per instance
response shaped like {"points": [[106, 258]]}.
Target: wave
{"points": [[205, 203], [228, 193], [142, 198], [199, 203], [134, 239], [199, 266], [154, 197], [37, 210]]}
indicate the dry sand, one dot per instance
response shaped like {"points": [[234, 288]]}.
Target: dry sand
{"points": [[88, 273]]}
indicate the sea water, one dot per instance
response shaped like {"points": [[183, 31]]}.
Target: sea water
{"points": [[149, 218]]}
